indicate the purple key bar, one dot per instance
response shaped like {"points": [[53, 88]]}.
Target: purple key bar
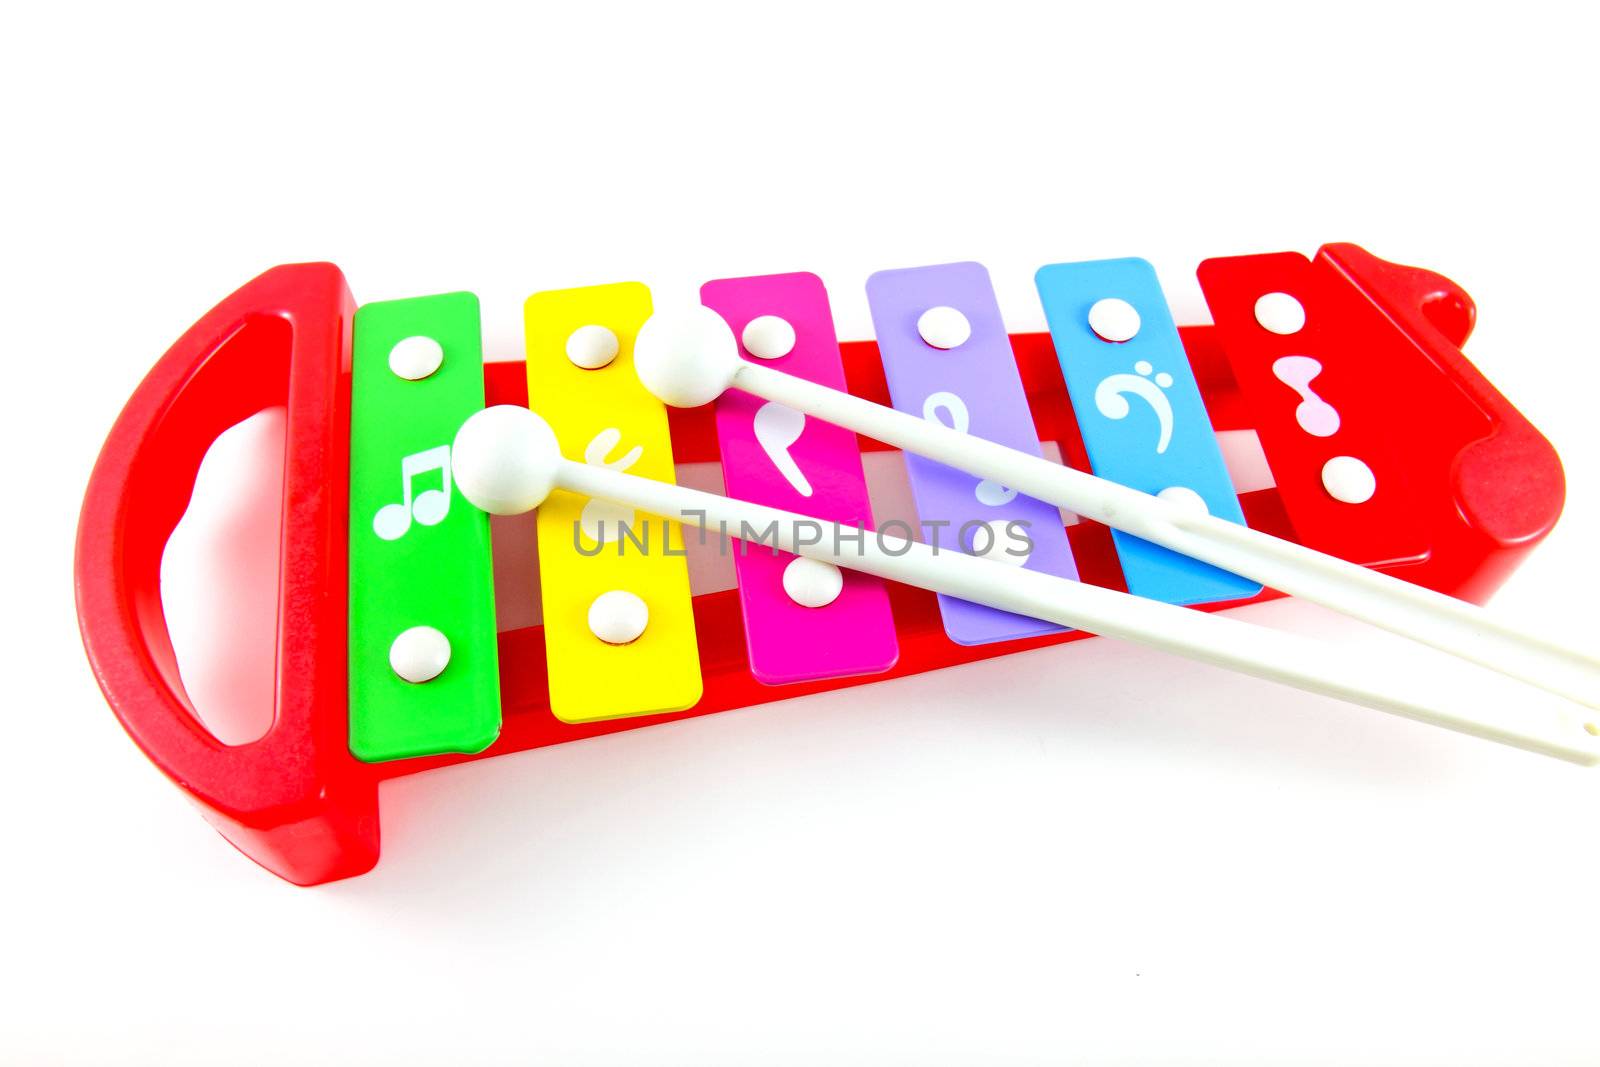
{"points": [[974, 387]]}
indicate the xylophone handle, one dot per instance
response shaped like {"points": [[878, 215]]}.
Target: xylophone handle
{"points": [[295, 801]]}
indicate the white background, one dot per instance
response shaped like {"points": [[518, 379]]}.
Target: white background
{"points": [[1086, 854]]}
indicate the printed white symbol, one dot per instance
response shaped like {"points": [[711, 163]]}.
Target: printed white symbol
{"points": [[601, 520], [1315, 415], [777, 429], [428, 507], [1110, 398], [988, 492]]}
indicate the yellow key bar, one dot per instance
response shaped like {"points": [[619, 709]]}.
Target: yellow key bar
{"points": [[593, 549]]}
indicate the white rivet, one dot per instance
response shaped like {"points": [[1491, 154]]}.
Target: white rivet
{"points": [[592, 347], [1185, 498], [944, 328], [1348, 479], [1114, 320], [414, 358], [812, 583], [999, 544], [1280, 313], [768, 337], [618, 617], [420, 654]]}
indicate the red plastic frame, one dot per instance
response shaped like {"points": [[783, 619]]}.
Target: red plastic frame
{"points": [[301, 806]]}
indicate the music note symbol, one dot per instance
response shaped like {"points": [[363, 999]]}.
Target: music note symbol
{"points": [[777, 428], [1315, 415], [989, 492], [1111, 398], [602, 521], [429, 507]]}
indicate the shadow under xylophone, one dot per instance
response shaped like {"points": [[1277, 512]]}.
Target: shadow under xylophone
{"points": [[1386, 447]]}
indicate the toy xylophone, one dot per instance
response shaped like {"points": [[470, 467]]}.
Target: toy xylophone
{"points": [[1386, 448]]}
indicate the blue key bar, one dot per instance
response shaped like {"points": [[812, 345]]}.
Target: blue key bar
{"points": [[1139, 408]]}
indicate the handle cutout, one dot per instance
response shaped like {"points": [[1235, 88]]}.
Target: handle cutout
{"points": [[219, 580]]}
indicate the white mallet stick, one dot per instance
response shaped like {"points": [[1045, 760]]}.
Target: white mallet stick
{"points": [[506, 461], [690, 359]]}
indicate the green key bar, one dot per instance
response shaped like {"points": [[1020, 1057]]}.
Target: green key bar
{"points": [[424, 665]]}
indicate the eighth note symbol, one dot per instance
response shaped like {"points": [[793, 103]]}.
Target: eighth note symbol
{"points": [[429, 507], [777, 428], [1111, 398]]}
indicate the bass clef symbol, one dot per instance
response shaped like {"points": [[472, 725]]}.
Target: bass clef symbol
{"points": [[1111, 398]]}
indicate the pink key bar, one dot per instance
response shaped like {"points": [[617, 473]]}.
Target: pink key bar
{"points": [[778, 457]]}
